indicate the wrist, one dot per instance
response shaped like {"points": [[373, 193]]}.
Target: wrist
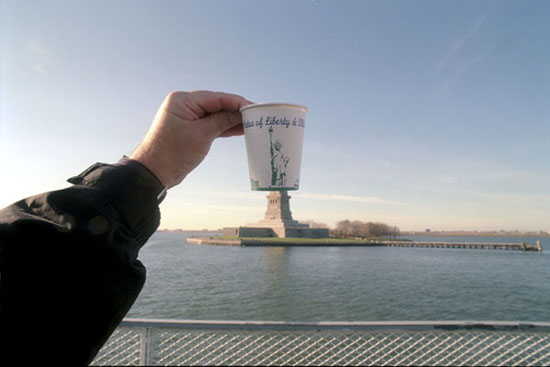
{"points": [[151, 164]]}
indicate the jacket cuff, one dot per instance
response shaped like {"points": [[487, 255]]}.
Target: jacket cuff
{"points": [[130, 187], [147, 174]]}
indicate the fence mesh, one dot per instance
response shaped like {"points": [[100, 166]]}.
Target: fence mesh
{"points": [[122, 348], [219, 346]]}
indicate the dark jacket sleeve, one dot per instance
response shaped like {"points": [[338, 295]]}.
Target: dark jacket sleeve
{"points": [[69, 270]]}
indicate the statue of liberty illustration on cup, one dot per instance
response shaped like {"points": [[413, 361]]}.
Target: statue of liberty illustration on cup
{"points": [[274, 134]]}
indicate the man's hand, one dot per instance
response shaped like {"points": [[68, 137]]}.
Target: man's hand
{"points": [[183, 130]]}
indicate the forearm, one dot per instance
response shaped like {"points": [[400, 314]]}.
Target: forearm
{"points": [[68, 262], [68, 259]]}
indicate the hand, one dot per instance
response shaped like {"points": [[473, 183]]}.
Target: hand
{"points": [[183, 130]]}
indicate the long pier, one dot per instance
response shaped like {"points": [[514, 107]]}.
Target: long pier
{"points": [[523, 246], [330, 242]]}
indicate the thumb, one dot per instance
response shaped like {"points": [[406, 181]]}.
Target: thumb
{"points": [[217, 123]]}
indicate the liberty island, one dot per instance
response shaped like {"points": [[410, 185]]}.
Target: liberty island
{"points": [[279, 228]]}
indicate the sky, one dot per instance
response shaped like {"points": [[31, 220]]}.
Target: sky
{"points": [[421, 114]]}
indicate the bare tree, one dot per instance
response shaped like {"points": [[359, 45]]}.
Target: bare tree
{"points": [[358, 229]]}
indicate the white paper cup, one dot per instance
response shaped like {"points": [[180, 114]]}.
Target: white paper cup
{"points": [[274, 135]]}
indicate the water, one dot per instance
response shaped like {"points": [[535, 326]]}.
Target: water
{"points": [[187, 281]]}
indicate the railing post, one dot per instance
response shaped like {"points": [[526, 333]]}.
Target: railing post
{"points": [[146, 351]]}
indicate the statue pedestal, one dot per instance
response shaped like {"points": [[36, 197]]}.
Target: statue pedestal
{"points": [[277, 222]]}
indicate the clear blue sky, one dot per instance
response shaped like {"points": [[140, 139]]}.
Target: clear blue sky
{"points": [[422, 114]]}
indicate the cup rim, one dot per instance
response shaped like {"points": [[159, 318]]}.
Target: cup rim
{"points": [[269, 104]]}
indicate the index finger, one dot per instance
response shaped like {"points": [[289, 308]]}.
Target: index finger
{"points": [[206, 102]]}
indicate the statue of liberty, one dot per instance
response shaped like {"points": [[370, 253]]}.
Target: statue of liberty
{"points": [[278, 161]]}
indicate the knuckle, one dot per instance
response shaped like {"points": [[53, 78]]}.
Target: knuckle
{"points": [[175, 95]]}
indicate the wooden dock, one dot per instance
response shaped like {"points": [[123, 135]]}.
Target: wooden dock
{"points": [[328, 242]]}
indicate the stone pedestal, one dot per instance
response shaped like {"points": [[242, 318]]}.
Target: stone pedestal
{"points": [[277, 222]]}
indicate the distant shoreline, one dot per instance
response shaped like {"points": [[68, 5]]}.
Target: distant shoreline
{"points": [[214, 231], [476, 234], [411, 233]]}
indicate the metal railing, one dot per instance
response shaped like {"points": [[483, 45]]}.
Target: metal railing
{"points": [[449, 343]]}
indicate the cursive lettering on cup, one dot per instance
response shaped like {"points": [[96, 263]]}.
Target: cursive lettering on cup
{"points": [[272, 120]]}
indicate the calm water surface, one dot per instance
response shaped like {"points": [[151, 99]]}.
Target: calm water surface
{"points": [[187, 281]]}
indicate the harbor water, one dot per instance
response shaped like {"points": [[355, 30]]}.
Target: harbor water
{"points": [[202, 282]]}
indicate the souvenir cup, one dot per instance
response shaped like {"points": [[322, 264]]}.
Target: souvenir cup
{"points": [[274, 135]]}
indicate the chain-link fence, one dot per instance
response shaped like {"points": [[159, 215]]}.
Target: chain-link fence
{"points": [[155, 342]]}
